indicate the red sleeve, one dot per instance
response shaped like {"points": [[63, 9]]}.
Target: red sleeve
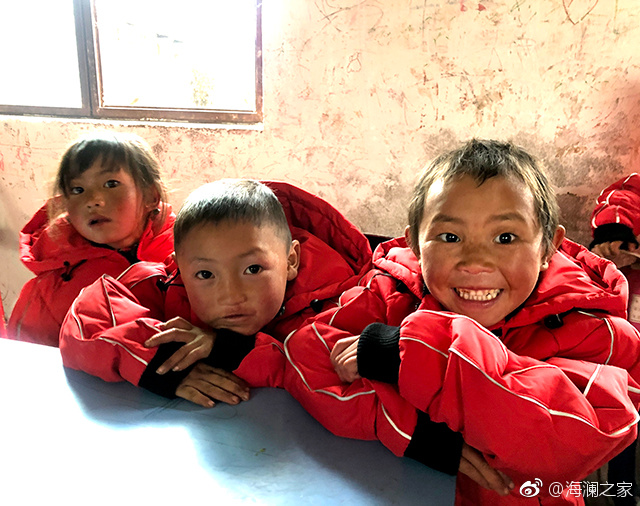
{"points": [[556, 420], [619, 203], [104, 332]]}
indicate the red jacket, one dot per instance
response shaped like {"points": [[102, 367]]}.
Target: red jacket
{"points": [[616, 216], [533, 400], [107, 324], [64, 262]]}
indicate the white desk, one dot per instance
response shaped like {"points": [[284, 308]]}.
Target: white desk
{"points": [[69, 438]]}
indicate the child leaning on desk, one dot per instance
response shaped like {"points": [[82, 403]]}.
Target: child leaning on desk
{"points": [[250, 256], [109, 212], [485, 318]]}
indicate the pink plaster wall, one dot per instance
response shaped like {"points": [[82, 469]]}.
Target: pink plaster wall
{"points": [[358, 95]]}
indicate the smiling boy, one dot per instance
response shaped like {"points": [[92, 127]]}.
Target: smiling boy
{"points": [[485, 318]]}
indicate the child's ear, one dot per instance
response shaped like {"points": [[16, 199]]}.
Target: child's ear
{"points": [[407, 238], [293, 260], [151, 199], [558, 237]]}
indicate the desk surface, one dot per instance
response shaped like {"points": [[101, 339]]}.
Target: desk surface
{"points": [[67, 436]]}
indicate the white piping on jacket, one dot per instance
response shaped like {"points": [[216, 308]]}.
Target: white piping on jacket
{"points": [[113, 320], [611, 333]]}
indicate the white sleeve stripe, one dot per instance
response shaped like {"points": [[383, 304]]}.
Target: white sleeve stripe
{"points": [[315, 329], [107, 340], [116, 343], [593, 377], [538, 403], [611, 333], [419, 341], [392, 423], [321, 391]]}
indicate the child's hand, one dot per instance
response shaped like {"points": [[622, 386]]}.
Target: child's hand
{"points": [[612, 251], [204, 384], [473, 464], [344, 357], [199, 344]]}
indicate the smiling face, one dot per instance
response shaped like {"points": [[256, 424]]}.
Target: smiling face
{"points": [[481, 249], [236, 274], [106, 206]]}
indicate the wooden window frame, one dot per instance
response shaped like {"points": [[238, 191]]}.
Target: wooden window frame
{"points": [[91, 85]]}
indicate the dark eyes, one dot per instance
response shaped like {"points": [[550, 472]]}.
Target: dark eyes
{"points": [[448, 237], [204, 274], [253, 269], [506, 238], [111, 183]]}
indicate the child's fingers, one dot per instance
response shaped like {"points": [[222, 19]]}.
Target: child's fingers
{"points": [[169, 336], [347, 343], [176, 323], [191, 353], [225, 381], [191, 394], [174, 360], [473, 464]]}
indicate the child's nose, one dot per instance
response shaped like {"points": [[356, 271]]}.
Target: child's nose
{"points": [[231, 292], [94, 199], [476, 259]]}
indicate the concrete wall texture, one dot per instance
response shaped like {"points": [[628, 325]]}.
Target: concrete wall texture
{"points": [[359, 95]]}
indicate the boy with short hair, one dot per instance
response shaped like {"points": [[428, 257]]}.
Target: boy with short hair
{"points": [[237, 261], [483, 317]]}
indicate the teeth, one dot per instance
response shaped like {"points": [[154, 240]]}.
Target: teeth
{"points": [[478, 295]]}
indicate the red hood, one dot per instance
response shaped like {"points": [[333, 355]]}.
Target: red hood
{"points": [[334, 251], [575, 279], [44, 246]]}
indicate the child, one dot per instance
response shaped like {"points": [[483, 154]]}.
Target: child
{"points": [[109, 212], [250, 256], [615, 225], [483, 325]]}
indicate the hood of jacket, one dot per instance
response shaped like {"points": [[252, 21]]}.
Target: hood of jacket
{"points": [[334, 252], [575, 279], [46, 245]]}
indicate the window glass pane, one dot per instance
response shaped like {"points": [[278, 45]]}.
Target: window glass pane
{"points": [[38, 54], [195, 54]]}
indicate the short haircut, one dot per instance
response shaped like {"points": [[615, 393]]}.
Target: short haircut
{"points": [[234, 201], [113, 150], [482, 160]]}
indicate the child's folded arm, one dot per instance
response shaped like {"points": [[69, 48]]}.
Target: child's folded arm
{"points": [[462, 375], [619, 203], [104, 332]]}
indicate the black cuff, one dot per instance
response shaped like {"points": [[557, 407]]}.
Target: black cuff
{"points": [[379, 353], [163, 384], [229, 349], [613, 232], [435, 445]]}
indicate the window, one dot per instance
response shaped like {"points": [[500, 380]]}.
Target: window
{"points": [[192, 60]]}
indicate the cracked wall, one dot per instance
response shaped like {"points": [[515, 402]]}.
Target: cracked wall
{"points": [[359, 95]]}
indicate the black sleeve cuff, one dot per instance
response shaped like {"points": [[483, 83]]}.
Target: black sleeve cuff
{"points": [[163, 384], [435, 445], [613, 232], [229, 349], [379, 353]]}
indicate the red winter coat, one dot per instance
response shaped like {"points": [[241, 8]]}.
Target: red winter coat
{"points": [[107, 324], [616, 216], [64, 262], [535, 401]]}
